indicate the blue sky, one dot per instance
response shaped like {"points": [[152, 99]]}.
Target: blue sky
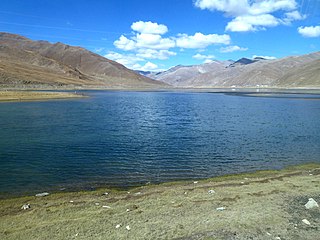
{"points": [[159, 34]]}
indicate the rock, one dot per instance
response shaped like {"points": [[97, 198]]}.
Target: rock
{"points": [[71, 201], [220, 208], [128, 210], [25, 206], [106, 207], [97, 204], [138, 193], [305, 221], [42, 194], [106, 193], [211, 191], [311, 204], [195, 182], [128, 228], [118, 226], [242, 182], [278, 238]]}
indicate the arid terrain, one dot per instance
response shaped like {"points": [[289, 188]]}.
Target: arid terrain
{"points": [[262, 205]]}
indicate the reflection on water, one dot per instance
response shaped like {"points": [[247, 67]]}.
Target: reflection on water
{"points": [[129, 138]]}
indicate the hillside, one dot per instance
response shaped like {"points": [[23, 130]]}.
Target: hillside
{"points": [[297, 71], [24, 62]]}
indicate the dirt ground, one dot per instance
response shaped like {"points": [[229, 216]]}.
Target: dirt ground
{"points": [[262, 205], [16, 96]]}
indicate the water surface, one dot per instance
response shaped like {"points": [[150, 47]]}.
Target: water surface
{"points": [[131, 138]]}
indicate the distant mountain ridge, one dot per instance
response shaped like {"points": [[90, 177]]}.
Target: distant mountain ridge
{"points": [[295, 71], [28, 62]]}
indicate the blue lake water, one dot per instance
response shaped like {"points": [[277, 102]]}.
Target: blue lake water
{"points": [[130, 138]]}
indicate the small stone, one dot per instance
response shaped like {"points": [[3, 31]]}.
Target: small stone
{"points": [[311, 204], [242, 182], [310, 174], [211, 191], [278, 238], [195, 182], [106, 193], [71, 201], [305, 221], [128, 210], [269, 234], [138, 193], [108, 207], [97, 204], [118, 226], [128, 228], [25, 206], [220, 208], [185, 193], [42, 194], [246, 178]]}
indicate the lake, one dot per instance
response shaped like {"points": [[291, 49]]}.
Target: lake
{"points": [[124, 139]]}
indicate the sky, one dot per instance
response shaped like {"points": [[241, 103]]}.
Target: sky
{"points": [[154, 35]]}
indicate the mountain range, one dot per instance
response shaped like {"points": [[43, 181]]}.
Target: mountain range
{"points": [[25, 63], [28, 63], [290, 72]]}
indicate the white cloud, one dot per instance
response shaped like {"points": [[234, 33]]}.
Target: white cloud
{"points": [[199, 56], [149, 66], [265, 57], [153, 41], [312, 31], [253, 15], [155, 54], [200, 40], [230, 49], [252, 23], [124, 43], [149, 27], [128, 60], [208, 61]]}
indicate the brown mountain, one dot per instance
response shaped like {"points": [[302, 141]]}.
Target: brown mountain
{"points": [[296, 71], [24, 62]]}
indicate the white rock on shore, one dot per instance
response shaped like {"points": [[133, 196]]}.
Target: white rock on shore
{"points": [[305, 221], [42, 194], [25, 206], [311, 204]]}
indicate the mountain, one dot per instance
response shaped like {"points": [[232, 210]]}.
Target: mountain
{"points": [[24, 62], [296, 71], [177, 75]]}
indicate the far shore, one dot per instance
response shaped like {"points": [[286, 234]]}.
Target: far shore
{"points": [[18, 96], [261, 205]]}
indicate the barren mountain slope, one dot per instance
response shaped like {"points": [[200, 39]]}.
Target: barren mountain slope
{"points": [[70, 64]]}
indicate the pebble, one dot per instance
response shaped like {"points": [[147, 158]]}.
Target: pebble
{"points": [[25, 206], [118, 226], [71, 201], [195, 182], [97, 204], [278, 238], [138, 193], [220, 208], [269, 234], [311, 204], [128, 228], [128, 210], [306, 221], [106, 193], [242, 182], [106, 206], [246, 178], [42, 194], [211, 191]]}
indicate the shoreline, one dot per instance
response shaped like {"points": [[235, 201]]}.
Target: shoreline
{"points": [[246, 205], [41, 95]]}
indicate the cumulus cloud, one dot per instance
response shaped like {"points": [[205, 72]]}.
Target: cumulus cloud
{"points": [[252, 23], [312, 31], [265, 57], [149, 27], [155, 54], [153, 41], [230, 49], [199, 56], [200, 40], [128, 60], [125, 44], [253, 15]]}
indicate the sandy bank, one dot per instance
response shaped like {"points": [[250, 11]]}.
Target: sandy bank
{"points": [[263, 205], [16, 96]]}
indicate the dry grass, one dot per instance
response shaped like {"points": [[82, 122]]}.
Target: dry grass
{"points": [[262, 205], [35, 95]]}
